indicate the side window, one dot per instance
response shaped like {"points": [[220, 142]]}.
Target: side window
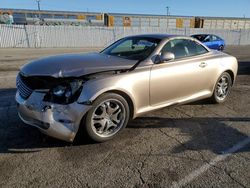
{"points": [[177, 47], [182, 48], [168, 47], [214, 38], [218, 38], [195, 48], [208, 38]]}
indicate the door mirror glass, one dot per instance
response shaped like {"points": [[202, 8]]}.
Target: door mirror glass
{"points": [[167, 56]]}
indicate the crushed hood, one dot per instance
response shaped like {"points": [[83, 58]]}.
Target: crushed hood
{"points": [[75, 65]]}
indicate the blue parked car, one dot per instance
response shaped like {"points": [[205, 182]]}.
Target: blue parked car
{"points": [[211, 41]]}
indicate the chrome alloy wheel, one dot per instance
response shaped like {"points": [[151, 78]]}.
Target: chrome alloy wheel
{"points": [[222, 87], [108, 118]]}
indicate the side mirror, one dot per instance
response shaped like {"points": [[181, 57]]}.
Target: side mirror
{"points": [[167, 56]]}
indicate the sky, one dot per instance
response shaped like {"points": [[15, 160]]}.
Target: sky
{"points": [[217, 8]]}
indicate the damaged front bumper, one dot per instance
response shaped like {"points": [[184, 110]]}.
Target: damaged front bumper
{"points": [[59, 121]]}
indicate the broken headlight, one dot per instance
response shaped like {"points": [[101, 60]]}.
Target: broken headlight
{"points": [[66, 92]]}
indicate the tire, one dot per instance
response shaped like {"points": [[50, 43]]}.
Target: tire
{"points": [[108, 117], [222, 88], [221, 48]]}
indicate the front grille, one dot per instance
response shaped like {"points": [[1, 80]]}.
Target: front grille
{"points": [[22, 88]]}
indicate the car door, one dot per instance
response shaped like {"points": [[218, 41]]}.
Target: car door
{"points": [[181, 78], [216, 42], [208, 42]]}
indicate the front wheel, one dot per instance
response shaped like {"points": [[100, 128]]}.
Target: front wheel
{"points": [[222, 88], [108, 116]]}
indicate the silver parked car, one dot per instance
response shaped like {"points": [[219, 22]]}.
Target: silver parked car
{"points": [[135, 75]]}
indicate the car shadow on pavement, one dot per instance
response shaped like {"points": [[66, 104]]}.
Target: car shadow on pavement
{"points": [[204, 133], [17, 137], [22, 138], [7, 97]]}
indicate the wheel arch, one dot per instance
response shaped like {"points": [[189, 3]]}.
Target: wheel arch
{"points": [[213, 97], [230, 72], [89, 98]]}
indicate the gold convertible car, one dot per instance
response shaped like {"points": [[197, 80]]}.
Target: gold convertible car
{"points": [[101, 92]]}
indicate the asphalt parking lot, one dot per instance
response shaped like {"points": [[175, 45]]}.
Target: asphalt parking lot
{"points": [[194, 145]]}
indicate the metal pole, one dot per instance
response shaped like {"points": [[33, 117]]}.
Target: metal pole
{"points": [[168, 10], [37, 39], [168, 15], [38, 5]]}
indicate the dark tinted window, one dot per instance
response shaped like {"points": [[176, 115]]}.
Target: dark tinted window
{"points": [[59, 16], [32, 15], [208, 38], [18, 15], [19, 18], [201, 37], [183, 48], [72, 17], [46, 16], [90, 17]]}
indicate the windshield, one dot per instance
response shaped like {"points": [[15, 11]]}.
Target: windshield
{"points": [[133, 48]]}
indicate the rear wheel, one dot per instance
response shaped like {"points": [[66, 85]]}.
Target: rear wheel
{"points": [[221, 48], [222, 88], [108, 116]]}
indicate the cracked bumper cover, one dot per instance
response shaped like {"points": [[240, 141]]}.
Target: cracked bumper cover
{"points": [[59, 121]]}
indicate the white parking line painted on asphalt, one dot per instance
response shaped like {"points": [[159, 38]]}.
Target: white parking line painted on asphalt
{"points": [[189, 178]]}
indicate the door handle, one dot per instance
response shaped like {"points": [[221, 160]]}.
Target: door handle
{"points": [[203, 64]]}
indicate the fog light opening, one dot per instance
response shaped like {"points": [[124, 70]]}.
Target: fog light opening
{"points": [[65, 121]]}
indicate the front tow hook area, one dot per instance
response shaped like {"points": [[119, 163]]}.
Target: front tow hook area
{"points": [[45, 108]]}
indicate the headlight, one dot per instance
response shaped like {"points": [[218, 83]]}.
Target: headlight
{"points": [[65, 92], [59, 91]]}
